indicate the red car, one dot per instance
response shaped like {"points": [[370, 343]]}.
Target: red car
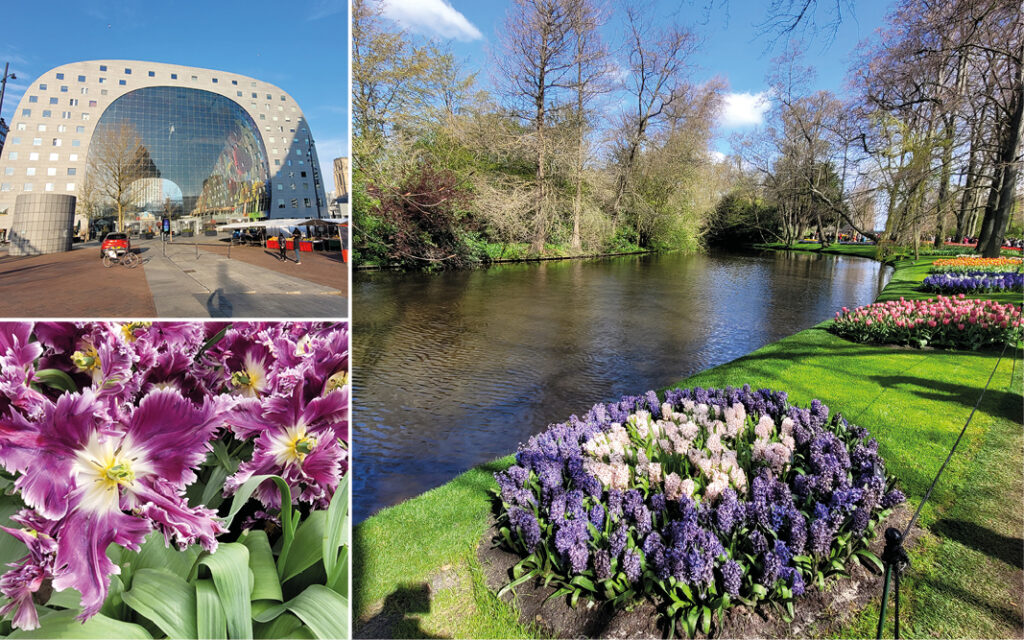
{"points": [[115, 241]]}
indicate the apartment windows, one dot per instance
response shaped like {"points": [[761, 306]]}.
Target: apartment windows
{"points": [[307, 202], [34, 155], [72, 171], [33, 98], [103, 67], [80, 129], [31, 171], [51, 171], [122, 82], [27, 186], [48, 187], [8, 171], [54, 100], [47, 113], [152, 74], [127, 71], [63, 88], [70, 186], [81, 78], [26, 113], [174, 76], [60, 76], [73, 102], [54, 157]]}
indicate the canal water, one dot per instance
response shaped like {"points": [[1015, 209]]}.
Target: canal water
{"points": [[454, 369]]}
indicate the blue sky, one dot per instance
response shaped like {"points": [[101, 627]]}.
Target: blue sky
{"points": [[301, 47], [733, 45]]}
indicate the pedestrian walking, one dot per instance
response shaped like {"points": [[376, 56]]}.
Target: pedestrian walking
{"points": [[282, 245], [296, 238]]}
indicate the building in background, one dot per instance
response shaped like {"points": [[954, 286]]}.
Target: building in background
{"points": [[205, 146], [340, 195]]}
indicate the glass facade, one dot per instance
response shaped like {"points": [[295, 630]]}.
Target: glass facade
{"points": [[204, 144]]}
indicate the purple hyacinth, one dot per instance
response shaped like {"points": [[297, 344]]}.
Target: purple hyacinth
{"points": [[892, 498], [571, 540], [758, 542], [727, 512], [732, 575], [821, 536], [597, 516], [602, 565], [529, 528], [617, 541], [631, 565], [771, 568]]}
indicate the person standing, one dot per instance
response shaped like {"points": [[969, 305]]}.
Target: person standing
{"points": [[282, 246], [296, 238]]}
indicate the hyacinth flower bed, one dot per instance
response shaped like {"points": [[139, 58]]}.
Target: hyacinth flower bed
{"points": [[174, 479], [712, 498], [973, 282], [954, 322], [976, 265]]}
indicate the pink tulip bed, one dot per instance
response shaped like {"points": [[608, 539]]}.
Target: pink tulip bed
{"points": [[955, 322]]}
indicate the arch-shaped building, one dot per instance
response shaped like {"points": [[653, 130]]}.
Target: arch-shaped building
{"points": [[223, 145]]}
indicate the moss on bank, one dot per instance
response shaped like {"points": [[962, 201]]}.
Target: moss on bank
{"points": [[415, 564]]}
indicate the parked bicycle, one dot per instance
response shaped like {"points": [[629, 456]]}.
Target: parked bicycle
{"points": [[124, 257]]}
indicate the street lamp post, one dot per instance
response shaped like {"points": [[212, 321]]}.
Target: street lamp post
{"points": [[3, 84], [314, 166]]}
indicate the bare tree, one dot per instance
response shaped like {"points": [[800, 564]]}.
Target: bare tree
{"points": [[536, 60], [657, 62], [117, 159]]}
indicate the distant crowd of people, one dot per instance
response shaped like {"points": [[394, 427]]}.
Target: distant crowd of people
{"points": [[1013, 243]]}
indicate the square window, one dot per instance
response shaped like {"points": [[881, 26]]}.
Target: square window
{"points": [[152, 74], [22, 126], [215, 81], [303, 174], [66, 115], [13, 156], [295, 203], [42, 87], [85, 116], [63, 88], [234, 82], [270, 97], [41, 127], [61, 128], [33, 98], [54, 157], [81, 78], [76, 143], [195, 78], [37, 142], [8, 171], [79, 128], [282, 98], [103, 67], [102, 80], [301, 163], [280, 187], [277, 162], [85, 91], [174, 76], [70, 186], [293, 186], [47, 113], [308, 205], [51, 171], [73, 157], [31, 171], [49, 186], [28, 186], [5, 186], [15, 140], [280, 203], [56, 142], [122, 82], [60, 76], [127, 71], [26, 113], [103, 92], [73, 102], [92, 103], [72, 171], [254, 94], [34, 155], [54, 100], [238, 94]]}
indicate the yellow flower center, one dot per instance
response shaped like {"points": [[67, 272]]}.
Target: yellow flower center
{"points": [[336, 381], [301, 446], [87, 359], [129, 329]]}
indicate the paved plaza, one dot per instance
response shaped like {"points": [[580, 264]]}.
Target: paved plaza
{"points": [[202, 279]]}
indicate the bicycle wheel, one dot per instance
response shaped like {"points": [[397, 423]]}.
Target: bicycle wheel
{"points": [[108, 261], [131, 260]]}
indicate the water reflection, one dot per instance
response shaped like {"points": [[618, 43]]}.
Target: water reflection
{"points": [[455, 369]]}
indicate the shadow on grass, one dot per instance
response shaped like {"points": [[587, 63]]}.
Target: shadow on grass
{"points": [[1012, 618], [1000, 404], [394, 619], [414, 520], [1004, 548]]}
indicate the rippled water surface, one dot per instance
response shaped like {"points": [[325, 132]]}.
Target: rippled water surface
{"points": [[455, 369]]}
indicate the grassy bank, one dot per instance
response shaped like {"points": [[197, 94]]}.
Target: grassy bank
{"points": [[416, 572]]}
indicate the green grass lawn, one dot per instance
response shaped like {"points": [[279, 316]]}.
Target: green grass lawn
{"points": [[416, 571]]}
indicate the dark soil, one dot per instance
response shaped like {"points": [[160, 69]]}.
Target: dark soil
{"points": [[817, 613]]}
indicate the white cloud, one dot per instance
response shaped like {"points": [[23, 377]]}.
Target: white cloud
{"points": [[717, 156], [434, 18], [744, 109]]}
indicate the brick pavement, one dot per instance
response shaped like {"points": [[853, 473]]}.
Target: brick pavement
{"points": [[73, 284]]}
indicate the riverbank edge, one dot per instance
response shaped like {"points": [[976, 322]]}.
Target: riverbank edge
{"points": [[393, 590], [482, 264]]}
